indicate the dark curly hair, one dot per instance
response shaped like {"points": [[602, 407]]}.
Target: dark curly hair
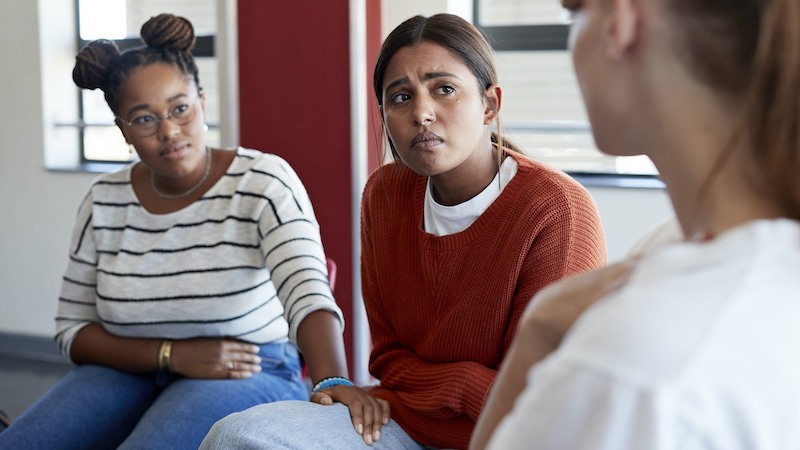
{"points": [[168, 39]]}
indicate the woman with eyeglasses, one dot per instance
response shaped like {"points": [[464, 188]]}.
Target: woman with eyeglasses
{"points": [[193, 273]]}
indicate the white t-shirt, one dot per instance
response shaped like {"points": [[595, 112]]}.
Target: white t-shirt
{"points": [[442, 220], [699, 350]]}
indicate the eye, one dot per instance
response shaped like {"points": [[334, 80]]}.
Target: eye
{"points": [[445, 90], [143, 119], [180, 110], [399, 98]]}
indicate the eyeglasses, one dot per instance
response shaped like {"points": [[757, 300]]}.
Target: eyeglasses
{"points": [[146, 124]]}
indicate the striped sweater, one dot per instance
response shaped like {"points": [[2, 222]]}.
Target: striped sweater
{"points": [[443, 309], [244, 261]]}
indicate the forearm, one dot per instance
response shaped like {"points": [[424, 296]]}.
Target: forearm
{"points": [[437, 389], [510, 382], [94, 345], [320, 339]]}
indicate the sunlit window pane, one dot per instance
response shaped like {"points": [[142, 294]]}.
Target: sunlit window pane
{"points": [[105, 143], [102, 19], [520, 12], [544, 115], [543, 112]]}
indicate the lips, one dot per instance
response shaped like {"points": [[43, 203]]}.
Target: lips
{"points": [[426, 140], [174, 150]]}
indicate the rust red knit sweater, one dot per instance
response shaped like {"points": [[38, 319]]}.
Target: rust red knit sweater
{"points": [[443, 310]]}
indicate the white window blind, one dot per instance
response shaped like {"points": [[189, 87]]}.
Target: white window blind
{"points": [[543, 112]]}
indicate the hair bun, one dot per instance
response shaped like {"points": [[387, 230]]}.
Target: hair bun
{"points": [[92, 63], [168, 31]]}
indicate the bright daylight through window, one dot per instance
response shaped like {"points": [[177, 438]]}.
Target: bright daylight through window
{"points": [[542, 109]]}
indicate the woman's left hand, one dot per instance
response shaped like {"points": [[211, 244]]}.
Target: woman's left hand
{"points": [[368, 413]]}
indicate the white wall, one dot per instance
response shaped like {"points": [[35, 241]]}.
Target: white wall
{"points": [[37, 206]]}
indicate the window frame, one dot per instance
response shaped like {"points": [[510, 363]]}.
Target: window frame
{"points": [[554, 37]]}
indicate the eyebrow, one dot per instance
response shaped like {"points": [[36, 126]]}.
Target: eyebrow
{"points": [[426, 77], [145, 106]]}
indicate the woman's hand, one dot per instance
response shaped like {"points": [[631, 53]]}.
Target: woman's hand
{"points": [[368, 413], [215, 358]]}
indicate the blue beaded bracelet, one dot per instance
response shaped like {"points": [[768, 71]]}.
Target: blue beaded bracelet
{"points": [[325, 383]]}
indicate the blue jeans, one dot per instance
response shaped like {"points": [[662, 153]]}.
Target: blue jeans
{"points": [[96, 407], [300, 426]]}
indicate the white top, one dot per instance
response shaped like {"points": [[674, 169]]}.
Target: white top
{"points": [[245, 260], [441, 220], [698, 351]]}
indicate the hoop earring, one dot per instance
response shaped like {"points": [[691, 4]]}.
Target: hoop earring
{"points": [[130, 149]]}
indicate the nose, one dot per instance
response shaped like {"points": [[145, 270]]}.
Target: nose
{"points": [[167, 128], [423, 111]]}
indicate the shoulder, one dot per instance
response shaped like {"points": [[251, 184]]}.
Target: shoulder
{"points": [[264, 168], [113, 186], [390, 178], [547, 192], [257, 160], [687, 301], [547, 181]]}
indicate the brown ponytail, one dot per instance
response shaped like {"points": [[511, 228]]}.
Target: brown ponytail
{"points": [[773, 108]]}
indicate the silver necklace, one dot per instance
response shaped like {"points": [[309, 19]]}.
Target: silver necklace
{"points": [[191, 189]]}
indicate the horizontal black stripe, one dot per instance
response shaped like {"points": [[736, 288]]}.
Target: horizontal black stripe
{"points": [[112, 183], [182, 272], [116, 205], [256, 330], [310, 280], [279, 179], [177, 225], [75, 302], [296, 272], [195, 321], [291, 315], [80, 261], [79, 283], [280, 225], [183, 297], [275, 267], [178, 250], [288, 241]]}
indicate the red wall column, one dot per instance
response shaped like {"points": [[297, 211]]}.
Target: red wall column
{"points": [[294, 88]]}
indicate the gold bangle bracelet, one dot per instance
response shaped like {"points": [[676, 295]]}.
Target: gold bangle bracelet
{"points": [[164, 356]]}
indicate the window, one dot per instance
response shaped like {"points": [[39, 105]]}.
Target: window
{"points": [[542, 108], [120, 20]]}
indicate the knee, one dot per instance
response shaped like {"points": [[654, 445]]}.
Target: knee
{"points": [[245, 429], [217, 435]]}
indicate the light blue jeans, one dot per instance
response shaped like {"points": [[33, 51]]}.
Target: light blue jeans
{"points": [[300, 426], [96, 407]]}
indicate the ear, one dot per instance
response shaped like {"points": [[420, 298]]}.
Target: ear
{"points": [[622, 29], [202, 96], [494, 100], [118, 123]]}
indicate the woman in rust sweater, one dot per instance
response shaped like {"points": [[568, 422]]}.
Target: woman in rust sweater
{"points": [[457, 235]]}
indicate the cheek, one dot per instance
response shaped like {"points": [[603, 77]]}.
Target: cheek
{"points": [[390, 122]]}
